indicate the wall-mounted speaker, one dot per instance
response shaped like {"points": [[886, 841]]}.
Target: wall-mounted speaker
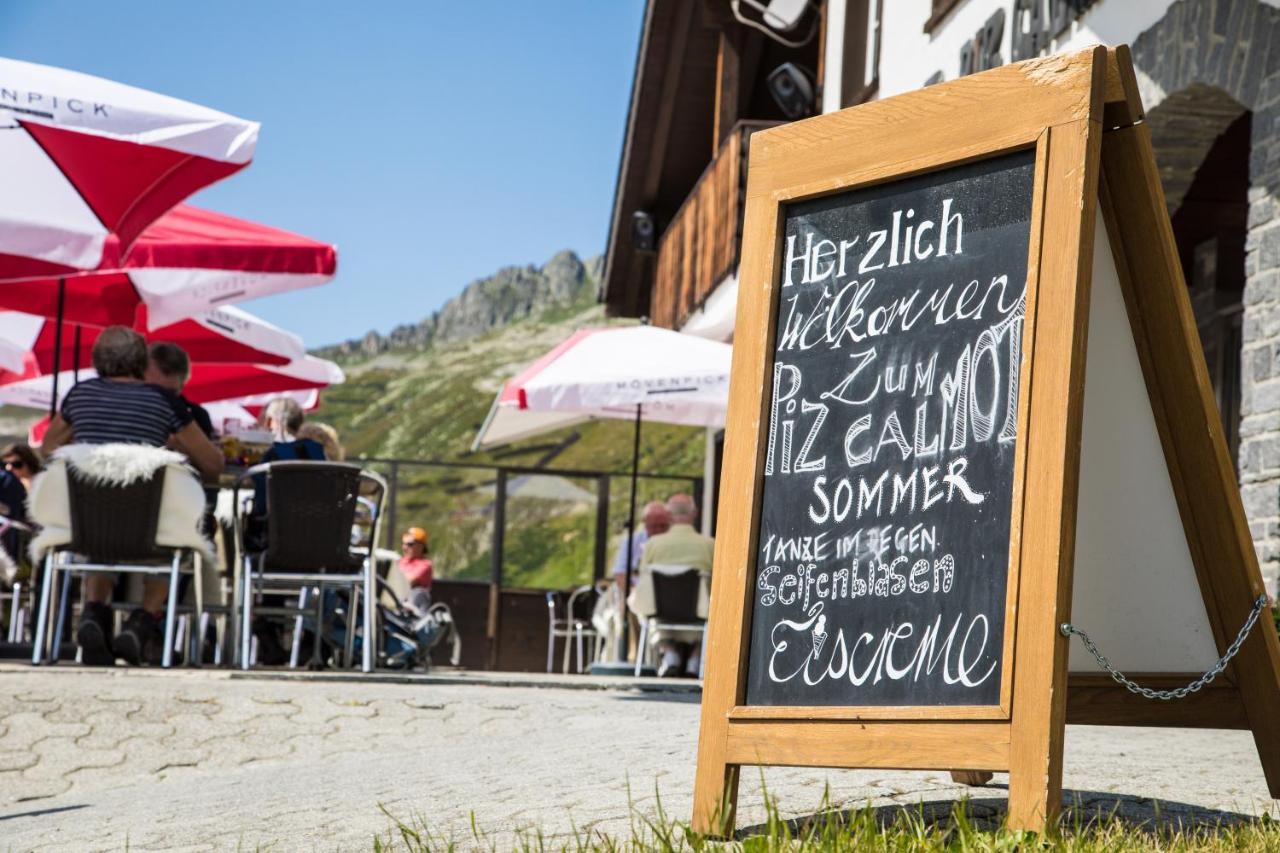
{"points": [[792, 90]]}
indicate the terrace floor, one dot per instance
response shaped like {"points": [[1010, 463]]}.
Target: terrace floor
{"points": [[101, 759]]}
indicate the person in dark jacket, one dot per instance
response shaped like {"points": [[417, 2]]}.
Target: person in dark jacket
{"points": [[120, 406]]}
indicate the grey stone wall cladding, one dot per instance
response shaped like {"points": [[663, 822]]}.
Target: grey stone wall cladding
{"points": [[1234, 45]]}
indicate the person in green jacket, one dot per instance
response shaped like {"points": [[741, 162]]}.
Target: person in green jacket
{"points": [[681, 545]]}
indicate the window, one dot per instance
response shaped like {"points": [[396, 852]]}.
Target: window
{"points": [[860, 64], [941, 8]]}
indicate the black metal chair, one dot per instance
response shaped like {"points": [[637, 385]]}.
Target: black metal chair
{"points": [[311, 510], [113, 529], [677, 591]]}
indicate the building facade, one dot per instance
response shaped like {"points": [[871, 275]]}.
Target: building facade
{"points": [[711, 72]]}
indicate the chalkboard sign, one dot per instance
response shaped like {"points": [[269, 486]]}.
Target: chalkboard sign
{"points": [[883, 551], [911, 442]]}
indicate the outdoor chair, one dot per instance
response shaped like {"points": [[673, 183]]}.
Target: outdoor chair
{"points": [[671, 600], [573, 624], [114, 528], [15, 537], [311, 510]]}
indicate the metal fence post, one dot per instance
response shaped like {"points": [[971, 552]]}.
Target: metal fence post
{"points": [[393, 530], [602, 527], [495, 564]]}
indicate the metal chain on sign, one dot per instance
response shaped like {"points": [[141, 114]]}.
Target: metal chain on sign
{"points": [[1068, 629]]}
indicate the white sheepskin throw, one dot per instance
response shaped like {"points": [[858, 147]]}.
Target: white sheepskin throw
{"points": [[181, 504]]}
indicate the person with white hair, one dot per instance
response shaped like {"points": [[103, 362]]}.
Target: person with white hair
{"points": [[654, 521], [682, 545], [284, 418]]}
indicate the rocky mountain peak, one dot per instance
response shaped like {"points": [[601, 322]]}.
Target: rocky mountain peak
{"points": [[509, 295]]}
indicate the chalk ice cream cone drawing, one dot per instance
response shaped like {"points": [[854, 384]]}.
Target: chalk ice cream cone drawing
{"points": [[819, 635]]}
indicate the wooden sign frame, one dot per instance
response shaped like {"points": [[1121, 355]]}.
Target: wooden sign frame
{"points": [[1081, 114]]}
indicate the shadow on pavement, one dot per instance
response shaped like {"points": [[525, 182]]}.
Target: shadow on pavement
{"points": [[1081, 809], [42, 812]]}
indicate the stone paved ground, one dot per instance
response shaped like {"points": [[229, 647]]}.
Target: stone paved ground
{"points": [[100, 759]]}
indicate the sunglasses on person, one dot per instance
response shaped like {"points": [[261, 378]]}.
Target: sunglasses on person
{"points": [[14, 465], [409, 543]]}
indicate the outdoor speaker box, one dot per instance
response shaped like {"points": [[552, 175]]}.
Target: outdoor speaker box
{"points": [[791, 90], [644, 232]]}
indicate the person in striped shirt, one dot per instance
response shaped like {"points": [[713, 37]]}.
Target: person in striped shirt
{"points": [[119, 406]]}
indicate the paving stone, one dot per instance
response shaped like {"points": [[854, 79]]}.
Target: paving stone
{"points": [[199, 761]]}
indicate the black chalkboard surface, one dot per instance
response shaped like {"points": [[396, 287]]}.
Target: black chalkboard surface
{"points": [[883, 551]]}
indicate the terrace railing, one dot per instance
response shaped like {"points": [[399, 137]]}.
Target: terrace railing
{"points": [[516, 530]]}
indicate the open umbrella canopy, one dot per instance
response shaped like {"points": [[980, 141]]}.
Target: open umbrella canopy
{"points": [[87, 157], [208, 382], [222, 335], [189, 260], [607, 373]]}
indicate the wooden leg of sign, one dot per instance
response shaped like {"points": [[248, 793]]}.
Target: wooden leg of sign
{"points": [[976, 778], [1049, 512], [1200, 470], [715, 797]]}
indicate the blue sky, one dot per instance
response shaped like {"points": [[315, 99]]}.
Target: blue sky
{"points": [[433, 142]]}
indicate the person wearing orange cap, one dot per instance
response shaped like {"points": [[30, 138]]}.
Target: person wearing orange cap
{"points": [[416, 567]]}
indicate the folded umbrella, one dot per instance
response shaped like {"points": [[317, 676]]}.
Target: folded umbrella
{"points": [[222, 335], [86, 158], [189, 260]]}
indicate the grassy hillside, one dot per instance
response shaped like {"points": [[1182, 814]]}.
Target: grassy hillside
{"points": [[427, 403]]}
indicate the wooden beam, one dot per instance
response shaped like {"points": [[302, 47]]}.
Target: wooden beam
{"points": [[728, 86], [1055, 386], [666, 103], [1112, 705], [897, 746]]}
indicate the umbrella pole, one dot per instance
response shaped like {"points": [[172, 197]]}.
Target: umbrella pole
{"points": [[631, 538], [75, 355], [57, 345]]}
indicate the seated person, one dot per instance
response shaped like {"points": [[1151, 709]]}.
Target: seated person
{"points": [[169, 367], [327, 436], [284, 417], [417, 569], [22, 462], [118, 406], [679, 546]]}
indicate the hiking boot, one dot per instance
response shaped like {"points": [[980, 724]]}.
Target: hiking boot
{"points": [[93, 635], [140, 639]]}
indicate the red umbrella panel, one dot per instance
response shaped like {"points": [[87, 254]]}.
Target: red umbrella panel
{"points": [[208, 382], [224, 335], [87, 158], [190, 260]]}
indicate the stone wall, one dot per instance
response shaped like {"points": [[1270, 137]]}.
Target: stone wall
{"points": [[1234, 45]]}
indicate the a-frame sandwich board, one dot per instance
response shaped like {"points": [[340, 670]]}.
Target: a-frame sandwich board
{"points": [[778, 691]]}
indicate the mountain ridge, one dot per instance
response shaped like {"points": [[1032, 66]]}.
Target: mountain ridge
{"points": [[511, 294]]}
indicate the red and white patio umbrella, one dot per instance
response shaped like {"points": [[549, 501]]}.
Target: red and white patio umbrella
{"points": [[223, 335], [635, 372], [606, 373], [208, 382], [86, 158], [188, 261]]}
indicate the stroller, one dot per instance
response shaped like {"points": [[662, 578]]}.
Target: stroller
{"points": [[407, 636]]}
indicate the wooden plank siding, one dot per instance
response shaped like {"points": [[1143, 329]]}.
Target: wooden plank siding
{"points": [[699, 247]]}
